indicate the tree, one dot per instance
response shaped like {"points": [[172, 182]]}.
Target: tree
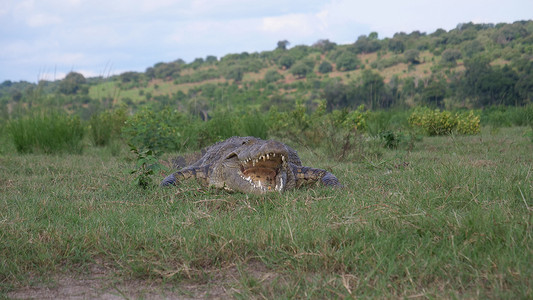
{"points": [[272, 76], [211, 59], [411, 56], [324, 45], [325, 67], [472, 48], [335, 94], [347, 61], [435, 92], [282, 45], [236, 73], [450, 57], [130, 77], [301, 69], [371, 91], [72, 83], [396, 45], [366, 44], [286, 61], [487, 85]]}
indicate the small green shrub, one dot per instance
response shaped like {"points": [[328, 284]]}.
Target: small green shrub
{"points": [[47, 132], [390, 139], [159, 131], [436, 122], [147, 165]]}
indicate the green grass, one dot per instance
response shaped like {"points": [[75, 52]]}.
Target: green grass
{"points": [[451, 218]]}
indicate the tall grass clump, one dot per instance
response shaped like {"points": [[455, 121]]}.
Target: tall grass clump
{"points": [[254, 124], [105, 126], [507, 116], [47, 132]]}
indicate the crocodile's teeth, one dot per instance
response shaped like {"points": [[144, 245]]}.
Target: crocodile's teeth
{"points": [[280, 186], [283, 158], [268, 156], [273, 154]]}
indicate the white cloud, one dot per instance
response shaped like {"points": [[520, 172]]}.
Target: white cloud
{"points": [[39, 19], [290, 24], [135, 34]]}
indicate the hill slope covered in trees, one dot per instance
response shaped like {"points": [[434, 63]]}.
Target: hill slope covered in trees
{"points": [[473, 65]]}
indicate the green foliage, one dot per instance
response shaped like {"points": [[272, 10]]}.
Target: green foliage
{"points": [[506, 116], [336, 132], [106, 125], [301, 69], [347, 61], [325, 67], [47, 132], [368, 44], [165, 71], [468, 123], [221, 126], [412, 56], [147, 165], [391, 139], [286, 61], [272, 76], [159, 131], [236, 73], [450, 57], [254, 124], [436, 122], [72, 84]]}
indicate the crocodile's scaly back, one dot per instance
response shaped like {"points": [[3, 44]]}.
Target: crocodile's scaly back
{"points": [[252, 165]]}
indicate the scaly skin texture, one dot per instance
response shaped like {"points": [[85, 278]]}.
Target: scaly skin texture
{"points": [[252, 165]]}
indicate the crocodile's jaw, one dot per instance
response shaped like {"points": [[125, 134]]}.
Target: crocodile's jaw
{"points": [[265, 173]]}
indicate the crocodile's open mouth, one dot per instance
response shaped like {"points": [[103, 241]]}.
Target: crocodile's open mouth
{"points": [[263, 172]]}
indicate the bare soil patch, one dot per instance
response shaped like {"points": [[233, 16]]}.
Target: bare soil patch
{"points": [[102, 283]]}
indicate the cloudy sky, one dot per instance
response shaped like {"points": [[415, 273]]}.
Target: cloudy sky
{"points": [[45, 39]]}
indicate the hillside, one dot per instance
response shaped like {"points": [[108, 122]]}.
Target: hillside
{"points": [[473, 65]]}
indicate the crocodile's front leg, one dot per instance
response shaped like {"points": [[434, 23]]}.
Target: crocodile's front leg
{"points": [[199, 173], [308, 175]]}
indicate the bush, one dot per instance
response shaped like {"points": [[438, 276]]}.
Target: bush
{"points": [[159, 131], [338, 132], [467, 123], [47, 132], [436, 122]]}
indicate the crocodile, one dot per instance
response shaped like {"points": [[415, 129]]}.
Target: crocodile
{"points": [[252, 165]]}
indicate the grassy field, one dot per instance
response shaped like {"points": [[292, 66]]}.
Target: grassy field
{"points": [[453, 217]]}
